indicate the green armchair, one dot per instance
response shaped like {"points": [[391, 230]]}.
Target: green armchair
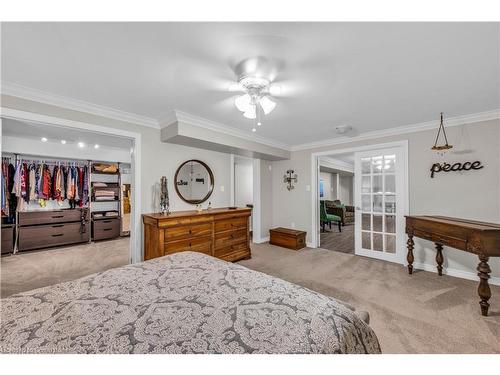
{"points": [[326, 218]]}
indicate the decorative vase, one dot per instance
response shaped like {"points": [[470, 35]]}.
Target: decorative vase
{"points": [[164, 200]]}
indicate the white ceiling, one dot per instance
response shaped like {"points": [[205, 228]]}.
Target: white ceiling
{"points": [[369, 76], [22, 129]]}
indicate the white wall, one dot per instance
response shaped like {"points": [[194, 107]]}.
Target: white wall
{"points": [[472, 195], [243, 184], [346, 190], [266, 196]]}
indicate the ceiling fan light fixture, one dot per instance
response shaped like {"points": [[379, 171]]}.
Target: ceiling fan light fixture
{"points": [[250, 112], [267, 104], [243, 102], [235, 87]]}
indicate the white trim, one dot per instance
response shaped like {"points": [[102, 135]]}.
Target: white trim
{"points": [[40, 96], [179, 116], [429, 125], [261, 240], [257, 209], [336, 164], [454, 272], [135, 235], [231, 198], [314, 178]]}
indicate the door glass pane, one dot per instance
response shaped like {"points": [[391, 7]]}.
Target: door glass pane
{"points": [[377, 223], [365, 165], [390, 163], [390, 224], [365, 203], [366, 184], [366, 240], [390, 204], [366, 222], [377, 203], [377, 164], [390, 243], [377, 184], [390, 184], [377, 242]]}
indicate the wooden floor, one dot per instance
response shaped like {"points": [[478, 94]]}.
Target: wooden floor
{"points": [[333, 240]]}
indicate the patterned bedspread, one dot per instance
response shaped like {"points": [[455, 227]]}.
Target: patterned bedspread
{"points": [[182, 303]]}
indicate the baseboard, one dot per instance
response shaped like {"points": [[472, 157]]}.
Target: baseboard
{"points": [[455, 273], [261, 240], [309, 244]]}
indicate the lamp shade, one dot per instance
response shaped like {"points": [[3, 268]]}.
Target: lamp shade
{"points": [[250, 112], [267, 104], [243, 102]]}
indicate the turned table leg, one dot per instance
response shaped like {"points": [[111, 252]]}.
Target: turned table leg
{"points": [[409, 257], [483, 290], [439, 258]]}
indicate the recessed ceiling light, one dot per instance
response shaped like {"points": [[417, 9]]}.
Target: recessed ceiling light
{"points": [[81, 144], [96, 146], [254, 130], [259, 123], [63, 141], [44, 139]]}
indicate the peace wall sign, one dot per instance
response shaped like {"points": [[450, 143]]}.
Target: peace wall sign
{"points": [[446, 167]]}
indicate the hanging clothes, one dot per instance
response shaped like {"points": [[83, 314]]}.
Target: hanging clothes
{"points": [[32, 182]]}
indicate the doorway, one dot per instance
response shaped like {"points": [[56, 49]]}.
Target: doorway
{"points": [[380, 198], [243, 185], [44, 140], [336, 198]]}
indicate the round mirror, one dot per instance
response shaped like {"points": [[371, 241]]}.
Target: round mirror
{"points": [[194, 181]]}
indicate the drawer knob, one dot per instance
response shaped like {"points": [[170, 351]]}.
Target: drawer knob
{"points": [[58, 235], [190, 231], [57, 217]]}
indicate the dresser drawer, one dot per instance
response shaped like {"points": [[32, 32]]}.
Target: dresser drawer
{"points": [[50, 217], [229, 238], [7, 239], [199, 244], [230, 224], [167, 223], [40, 236], [105, 229], [188, 231], [228, 250]]}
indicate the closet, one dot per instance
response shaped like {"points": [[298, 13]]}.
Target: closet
{"points": [[48, 202]]}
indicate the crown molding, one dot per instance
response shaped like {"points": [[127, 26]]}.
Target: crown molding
{"points": [[179, 116], [406, 129], [40, 96]]}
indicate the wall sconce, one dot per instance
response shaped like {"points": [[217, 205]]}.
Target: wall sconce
{"points": [[289, 178]]}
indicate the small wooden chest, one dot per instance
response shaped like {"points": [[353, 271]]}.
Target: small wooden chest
{"points": [[289, 238]]}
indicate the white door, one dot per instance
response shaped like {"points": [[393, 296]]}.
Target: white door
{"points": [[380, 200]]}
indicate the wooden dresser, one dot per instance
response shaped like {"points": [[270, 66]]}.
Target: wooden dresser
{"points": [[220, 232]]}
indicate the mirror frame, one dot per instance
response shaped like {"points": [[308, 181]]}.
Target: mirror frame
{"points": [[211, 175]]}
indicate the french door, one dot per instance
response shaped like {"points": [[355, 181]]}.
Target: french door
{"points": [[380, 199]]}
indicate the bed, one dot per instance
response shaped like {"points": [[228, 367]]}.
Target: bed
{"points": [[182, 303]]}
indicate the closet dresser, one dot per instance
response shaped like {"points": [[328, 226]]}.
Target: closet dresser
{"points": [[40, 229], [220, 232]]}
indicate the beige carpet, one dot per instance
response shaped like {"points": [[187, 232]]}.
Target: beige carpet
{"points": [[35, 269], [338, 241], [422, 313]]}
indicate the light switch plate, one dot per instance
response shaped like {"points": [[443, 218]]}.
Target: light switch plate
{"points": [[308, 187], [222, 188]]}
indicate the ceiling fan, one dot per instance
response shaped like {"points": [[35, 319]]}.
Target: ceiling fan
{"points": [[255, 78]]}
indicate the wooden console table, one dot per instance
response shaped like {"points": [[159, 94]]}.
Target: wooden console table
{"points": [[471, 236]]}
